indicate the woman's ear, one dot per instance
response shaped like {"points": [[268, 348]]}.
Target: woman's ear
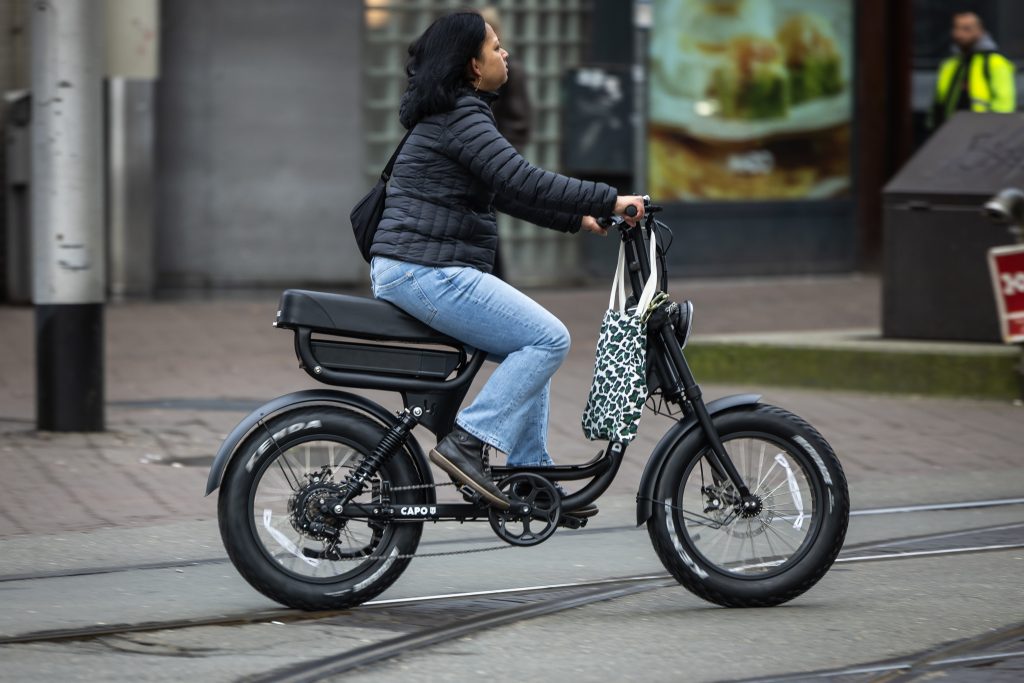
{"points": [[474, 69]]}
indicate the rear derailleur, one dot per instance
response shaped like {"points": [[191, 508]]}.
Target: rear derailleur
{"points": [[313, 515]]}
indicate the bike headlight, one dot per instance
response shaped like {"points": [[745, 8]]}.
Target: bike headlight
{"points": [[683, 321]]}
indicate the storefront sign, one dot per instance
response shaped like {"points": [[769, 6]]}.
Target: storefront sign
{"points": [[750, 99], [1007, 266]]}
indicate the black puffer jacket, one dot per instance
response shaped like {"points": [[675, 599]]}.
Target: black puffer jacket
{"points": [[453, 172]]}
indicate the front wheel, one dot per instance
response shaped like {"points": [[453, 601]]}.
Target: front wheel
{"points": [[762, 555]]}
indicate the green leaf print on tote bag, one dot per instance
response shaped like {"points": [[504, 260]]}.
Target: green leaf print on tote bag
{"points": [[619, 389]]}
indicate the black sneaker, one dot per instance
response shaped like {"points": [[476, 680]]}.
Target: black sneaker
{"points": [[460, 454]]}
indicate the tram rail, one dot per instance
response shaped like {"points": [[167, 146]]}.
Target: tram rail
{"points": [[561, 596]]}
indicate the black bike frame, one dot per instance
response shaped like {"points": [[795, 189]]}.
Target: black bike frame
{"points": [[677, 384], [435, 402]]}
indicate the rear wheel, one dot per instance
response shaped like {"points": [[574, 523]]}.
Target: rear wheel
{"points": [[766, 553], [274, 526]]}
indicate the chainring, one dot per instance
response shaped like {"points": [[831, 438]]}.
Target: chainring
{"points": [[533, 517]]}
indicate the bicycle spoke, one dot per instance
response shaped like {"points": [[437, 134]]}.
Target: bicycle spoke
{"points": [[772, 492], [709, 521], [755, 544], [741, 460], [715, 541], [771, 549], [778, 535], [344, 547], [760, 462], [728, 544], [786, 514], [762, 479], [290, 483]]}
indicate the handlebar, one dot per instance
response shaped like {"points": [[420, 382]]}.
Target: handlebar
{"points": [[631, 212], [636, 245]]}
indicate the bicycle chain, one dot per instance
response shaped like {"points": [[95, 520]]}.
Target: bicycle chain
{"points": [[408, 556]]}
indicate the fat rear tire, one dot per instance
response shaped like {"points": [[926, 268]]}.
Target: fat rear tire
{"points": [[238, 528]]}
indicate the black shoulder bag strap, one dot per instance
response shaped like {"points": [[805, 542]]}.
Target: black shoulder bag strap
{"points": [[386, 175]]}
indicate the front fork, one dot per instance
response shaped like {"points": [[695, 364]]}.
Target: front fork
{"points": [[676, 378], [687, 387]]}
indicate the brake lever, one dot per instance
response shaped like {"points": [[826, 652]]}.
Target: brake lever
{"points": [[610, 222]]}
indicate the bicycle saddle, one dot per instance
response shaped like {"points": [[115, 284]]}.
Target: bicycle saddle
{"points": [[354, 316]]}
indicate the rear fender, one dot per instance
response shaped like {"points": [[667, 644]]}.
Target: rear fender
{"points": [[668, 443], [298, 399]]}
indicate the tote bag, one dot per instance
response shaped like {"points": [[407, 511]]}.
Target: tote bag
{"points": [[619, 389], [367, 212]]}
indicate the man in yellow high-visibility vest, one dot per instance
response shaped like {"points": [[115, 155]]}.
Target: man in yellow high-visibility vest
{"points": [[976, 77]]}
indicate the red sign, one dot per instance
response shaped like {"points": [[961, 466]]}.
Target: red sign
{"points": [[1007, 266]]}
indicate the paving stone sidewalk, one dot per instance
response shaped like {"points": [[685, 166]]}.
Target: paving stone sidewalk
{"points": [[181, 374]]}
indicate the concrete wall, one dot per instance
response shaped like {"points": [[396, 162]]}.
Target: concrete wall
{"points": [[259, 143]]}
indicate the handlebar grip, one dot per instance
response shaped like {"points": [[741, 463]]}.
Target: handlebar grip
{"points": [[631, 211]]}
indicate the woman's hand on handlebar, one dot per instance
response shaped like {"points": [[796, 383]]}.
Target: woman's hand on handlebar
{"points": [[628, 209], [590, 224], [622, 204]]}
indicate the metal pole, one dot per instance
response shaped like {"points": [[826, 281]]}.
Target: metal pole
{"points": [[68, 247], [643, 17]]}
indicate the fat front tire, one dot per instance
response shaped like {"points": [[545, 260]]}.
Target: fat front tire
{"points": [[268, 511], [761, 556]]}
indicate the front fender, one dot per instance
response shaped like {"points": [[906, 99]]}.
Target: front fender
{"points": [[296, 399], [678, 431]]}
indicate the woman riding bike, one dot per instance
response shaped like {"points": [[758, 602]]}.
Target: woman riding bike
{"points": [[434, 248]]}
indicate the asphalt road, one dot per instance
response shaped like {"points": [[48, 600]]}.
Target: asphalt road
{"points": [[863, 611]]}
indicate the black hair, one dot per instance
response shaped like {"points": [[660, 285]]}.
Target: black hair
{"points": [[437, 66]]}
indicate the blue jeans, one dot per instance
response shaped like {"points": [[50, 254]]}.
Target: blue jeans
{"points": [[511, 411]]}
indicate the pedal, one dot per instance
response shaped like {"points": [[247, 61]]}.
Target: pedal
{"points": [[570, 522], [471, 496]]}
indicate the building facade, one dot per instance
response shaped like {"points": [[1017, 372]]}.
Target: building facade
{"points": [[269, 119]]}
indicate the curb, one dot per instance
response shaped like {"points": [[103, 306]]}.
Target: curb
{"points": [[859, 360]]}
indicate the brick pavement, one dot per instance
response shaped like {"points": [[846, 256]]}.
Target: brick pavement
{"points": [[181, 374]]}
